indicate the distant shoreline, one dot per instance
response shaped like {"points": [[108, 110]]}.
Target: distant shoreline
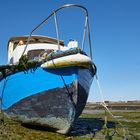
{"points": [[121, 105]]}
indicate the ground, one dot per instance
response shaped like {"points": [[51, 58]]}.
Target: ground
{"points": [[89, 126]]}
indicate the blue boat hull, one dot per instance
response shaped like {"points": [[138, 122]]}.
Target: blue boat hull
{"points": [[51, 98]]}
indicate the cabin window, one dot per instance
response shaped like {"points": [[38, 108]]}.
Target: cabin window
{"points": [[32, 54]]}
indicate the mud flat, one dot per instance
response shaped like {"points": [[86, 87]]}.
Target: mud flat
{"points": [[90, 125]]}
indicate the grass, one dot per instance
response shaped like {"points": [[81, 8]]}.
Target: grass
{"points": [[87, 127], [130, 120]]}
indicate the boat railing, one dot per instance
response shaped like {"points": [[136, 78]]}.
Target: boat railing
{"points": [[86, 27]]}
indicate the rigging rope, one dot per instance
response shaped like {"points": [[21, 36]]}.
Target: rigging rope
{"points": [[61, 76], [107, 109]]}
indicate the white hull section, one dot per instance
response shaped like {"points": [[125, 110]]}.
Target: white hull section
{"points": [[67, 61]]}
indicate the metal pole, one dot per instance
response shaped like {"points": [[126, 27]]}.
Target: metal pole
{"points": [[84, 35], [56, 27], [89, 39]]}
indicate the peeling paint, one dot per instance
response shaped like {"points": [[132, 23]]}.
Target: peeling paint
{"points": [[55, 108]]}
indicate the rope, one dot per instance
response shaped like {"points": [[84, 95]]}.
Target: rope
{"points": [[69, 93], [107, 109], [61, 77]]}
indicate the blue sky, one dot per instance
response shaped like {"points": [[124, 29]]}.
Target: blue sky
{"points": [[115, 35]]}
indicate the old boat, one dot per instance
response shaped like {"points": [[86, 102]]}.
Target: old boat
{"points": [[46, 83]]}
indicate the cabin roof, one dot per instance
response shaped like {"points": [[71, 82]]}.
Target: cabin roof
{"points": [[34, 38]]}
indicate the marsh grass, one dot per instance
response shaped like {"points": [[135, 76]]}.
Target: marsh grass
{"points": [[87, 127]]}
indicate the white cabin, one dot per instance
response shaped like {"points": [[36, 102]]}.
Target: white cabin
{"points": [[36, 46]]}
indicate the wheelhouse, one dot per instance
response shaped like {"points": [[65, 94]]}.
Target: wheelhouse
{"points": [[36, 47]]}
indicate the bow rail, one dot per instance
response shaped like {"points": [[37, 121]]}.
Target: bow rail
{"points": [[86, 26]]}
